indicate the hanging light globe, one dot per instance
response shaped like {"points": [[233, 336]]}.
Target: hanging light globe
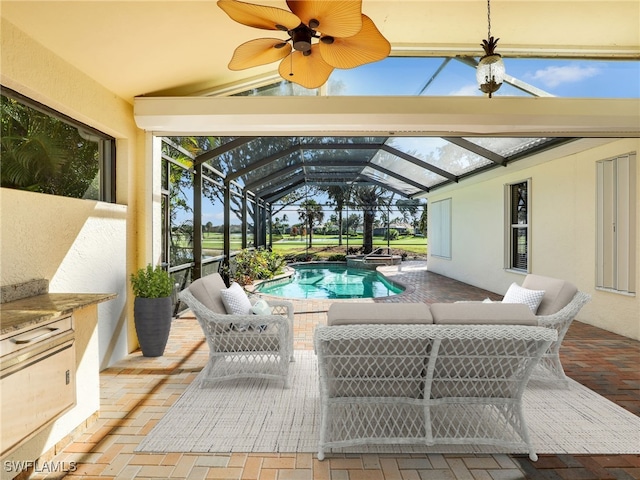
{"points": [[490, 71]]}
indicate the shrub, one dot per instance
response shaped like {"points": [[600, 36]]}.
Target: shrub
{"points": [[260, 264], [338, 257], [392, 234], [151, 282]]}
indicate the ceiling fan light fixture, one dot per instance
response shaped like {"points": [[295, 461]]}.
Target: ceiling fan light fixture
{"points": [[490, 72], [301, 38], [345, 38]]}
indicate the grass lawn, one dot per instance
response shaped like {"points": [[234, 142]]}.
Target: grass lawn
{"points": [[323, 245], [329, 244]]}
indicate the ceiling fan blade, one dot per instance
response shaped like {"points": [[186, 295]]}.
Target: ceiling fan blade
{"points": [[259, 16], [367, 46], [258, 52], [310, 71], [338, 18]]}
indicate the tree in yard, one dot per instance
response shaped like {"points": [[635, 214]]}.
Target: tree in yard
{"points": [[338, 198], [368, 199], [352, 222], [41, 153], [424, 220], [310, 213]]}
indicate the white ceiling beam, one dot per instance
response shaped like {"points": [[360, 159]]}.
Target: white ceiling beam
{"points": [[389, 116]]}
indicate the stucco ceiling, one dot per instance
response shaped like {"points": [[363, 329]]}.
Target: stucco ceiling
{"points": [[136, 48]]}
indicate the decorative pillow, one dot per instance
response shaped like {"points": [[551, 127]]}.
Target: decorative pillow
{"points": [[518, 294], [261, 307], [235, 300]]}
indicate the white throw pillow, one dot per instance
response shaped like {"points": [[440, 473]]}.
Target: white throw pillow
{"points": [[261, 307], [518, 294], [235, 300]]}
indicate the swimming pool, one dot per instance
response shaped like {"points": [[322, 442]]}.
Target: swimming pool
{"points": [[330, 281]]}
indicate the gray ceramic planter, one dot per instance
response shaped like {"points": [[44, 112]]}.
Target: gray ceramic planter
{"points": [[152, 318]]}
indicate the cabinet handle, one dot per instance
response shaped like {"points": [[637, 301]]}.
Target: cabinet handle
{"points": [[34, 335]]}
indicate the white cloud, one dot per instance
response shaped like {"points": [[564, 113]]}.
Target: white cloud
{"points": [[466, 91], [554, 76]]}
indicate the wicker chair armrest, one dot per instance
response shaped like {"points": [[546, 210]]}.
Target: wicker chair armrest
{"points": [[281, 306], [566, 314], [251, 320]]}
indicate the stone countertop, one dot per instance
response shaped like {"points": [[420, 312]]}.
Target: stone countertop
{"points": [[25, 312]]}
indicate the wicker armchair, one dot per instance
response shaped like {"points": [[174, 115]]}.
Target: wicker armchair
{"points": [[241, 346], [559, 306]]}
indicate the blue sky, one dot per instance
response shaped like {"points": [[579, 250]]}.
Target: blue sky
{"points": [[562, 78], [408, 76]]}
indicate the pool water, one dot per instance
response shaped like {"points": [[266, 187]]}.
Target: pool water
{"points": [[331, 281]]}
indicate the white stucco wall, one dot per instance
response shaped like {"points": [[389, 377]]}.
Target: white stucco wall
{"points": [[78, 245], [563, 235]]}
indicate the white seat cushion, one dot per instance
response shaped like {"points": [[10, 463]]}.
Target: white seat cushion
{"points": [[478, 313], [207, 291], [350, 313], [558, 293]]}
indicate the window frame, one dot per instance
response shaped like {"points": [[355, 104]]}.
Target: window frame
{"points": [[106, 144], [511, 238]]}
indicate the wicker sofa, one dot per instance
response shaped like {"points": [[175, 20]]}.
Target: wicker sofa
{"points": [[410, 381]]}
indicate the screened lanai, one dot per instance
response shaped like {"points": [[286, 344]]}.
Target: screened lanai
{"points": [[235, 184]]}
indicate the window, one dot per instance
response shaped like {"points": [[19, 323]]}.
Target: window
{"points": [[440, 232], [616, 224], [518, 225], [45, 151]]}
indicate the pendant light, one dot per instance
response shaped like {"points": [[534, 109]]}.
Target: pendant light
{"points": [[490, 71]]}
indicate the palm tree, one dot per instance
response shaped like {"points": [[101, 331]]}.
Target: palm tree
{"points": [[368, 199], [310, 213], [35, 148], [338, 198]]}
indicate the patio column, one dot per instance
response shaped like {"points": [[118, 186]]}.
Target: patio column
{"points": [[197, 221], [244, 218], [270, 220], [226, 230]]}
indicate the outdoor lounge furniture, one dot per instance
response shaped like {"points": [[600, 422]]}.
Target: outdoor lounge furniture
{"points": [[241, 346], [420, 383], [558, 307]]}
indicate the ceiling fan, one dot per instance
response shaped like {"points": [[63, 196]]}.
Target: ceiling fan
{"points": [[345, 38]]}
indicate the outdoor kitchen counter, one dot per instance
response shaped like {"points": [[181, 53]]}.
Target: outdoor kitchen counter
{"points": [[18, 314]]}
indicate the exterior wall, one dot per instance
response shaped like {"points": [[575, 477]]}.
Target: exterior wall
{"points": [[78, 245], [563, 235]]}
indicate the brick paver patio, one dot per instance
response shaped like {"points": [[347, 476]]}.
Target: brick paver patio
{"points": [[137, 391]]}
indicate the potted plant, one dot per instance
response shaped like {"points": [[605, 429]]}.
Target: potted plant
{"points": [[152, 288]]}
